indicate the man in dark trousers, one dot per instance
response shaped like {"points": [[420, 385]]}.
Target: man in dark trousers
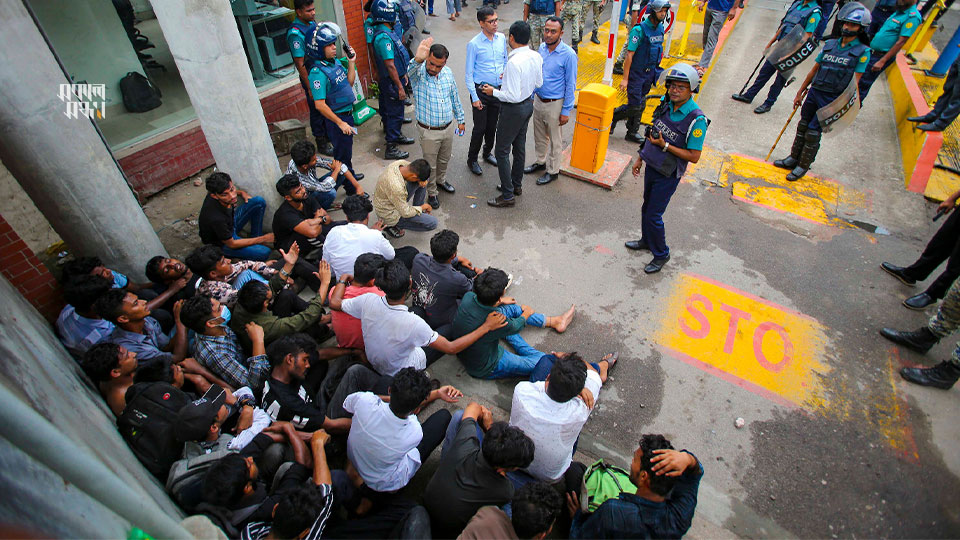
{"points": [[944, 246], [300, 29], [486, 59], [393, 60], [947, 107]]}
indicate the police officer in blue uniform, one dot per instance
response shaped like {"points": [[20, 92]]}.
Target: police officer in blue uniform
{"points": [[331, 87], [882, 11], [641, 68], [804, 12], [302, 26], [392, 59], [841, 60], [674, 140]]}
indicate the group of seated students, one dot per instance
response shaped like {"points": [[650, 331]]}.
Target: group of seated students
{"points": [[284, 420]]}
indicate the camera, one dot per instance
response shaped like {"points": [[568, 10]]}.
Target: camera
{"points": [[652, 132]]}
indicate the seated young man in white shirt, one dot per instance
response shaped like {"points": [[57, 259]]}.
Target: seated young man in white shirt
{"points": [[345, 243], [552, 411], [387, 443], [393, 337]]}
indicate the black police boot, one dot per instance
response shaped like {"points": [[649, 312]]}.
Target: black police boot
{"points": [[594, 38], [810, 148], [620, 113], [790, 162], [633, 126], [618, 68], [394, 152], [323, 146], [920, 340], [943, 375]]}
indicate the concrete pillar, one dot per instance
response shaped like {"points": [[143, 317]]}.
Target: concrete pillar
{"points": [[62, 163], [205, 43]]}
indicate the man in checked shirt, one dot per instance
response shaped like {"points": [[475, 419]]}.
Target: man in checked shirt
{"points": [[438, 105]]}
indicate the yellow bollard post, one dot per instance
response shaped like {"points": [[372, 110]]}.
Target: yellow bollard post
{"points": [[917, 38], [592, 131], [686, 29]]}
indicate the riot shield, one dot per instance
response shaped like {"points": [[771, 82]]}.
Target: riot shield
{"points": [[842, 111], [790, 51]]}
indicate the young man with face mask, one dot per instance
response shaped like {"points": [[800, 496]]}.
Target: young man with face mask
{"points": [[674, 140], [438, 105], [641, 66]]}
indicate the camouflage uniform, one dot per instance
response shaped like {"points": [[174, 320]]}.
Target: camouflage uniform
{"points": [[536, 21], [573, 19], [947, 319], [597, 12]]}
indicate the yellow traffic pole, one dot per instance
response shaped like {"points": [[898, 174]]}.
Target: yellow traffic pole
{"points": [[686, 30], [917, 37]]}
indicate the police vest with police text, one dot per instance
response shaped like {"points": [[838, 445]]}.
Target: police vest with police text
{"points": [[305, 30], [674, 132], [797, 14], [649, 51], [401, 57], [837, 67], [340, 95]]}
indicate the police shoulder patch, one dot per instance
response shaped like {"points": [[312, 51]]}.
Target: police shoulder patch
{"points": [[316, 84], [812, 20], [698, 132], [296, 44], [863, 59], [909, 25]]}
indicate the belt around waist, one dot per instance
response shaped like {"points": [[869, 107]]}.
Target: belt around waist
{"points": [[438, 128], [548, 100]]}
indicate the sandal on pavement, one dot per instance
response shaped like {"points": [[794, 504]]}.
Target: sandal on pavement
{"points": [[611, 359]]}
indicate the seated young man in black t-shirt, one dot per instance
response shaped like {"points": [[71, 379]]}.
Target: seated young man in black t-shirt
{"points": [[225, 211], [441, 280], [167, 273], [300, 218]]}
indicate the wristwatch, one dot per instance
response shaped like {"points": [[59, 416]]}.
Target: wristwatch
{"points": [[665, 146]]}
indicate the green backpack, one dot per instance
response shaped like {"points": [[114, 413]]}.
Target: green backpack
{"points": [[602, 482]]}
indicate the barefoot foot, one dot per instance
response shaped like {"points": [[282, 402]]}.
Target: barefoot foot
{"points": [[564, 320]]}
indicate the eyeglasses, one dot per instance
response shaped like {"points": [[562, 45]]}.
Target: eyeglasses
{"points": [[491, 21]]}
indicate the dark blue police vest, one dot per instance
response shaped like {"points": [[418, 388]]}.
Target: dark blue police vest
{"points": [[305, 30], [797, 14], [675, 133], [340, 95], [837, 67], [401, 57]]}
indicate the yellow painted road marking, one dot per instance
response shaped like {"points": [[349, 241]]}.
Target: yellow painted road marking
{"points": [[746, 340]]}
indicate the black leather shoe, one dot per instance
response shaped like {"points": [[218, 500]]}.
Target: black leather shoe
{"points": [[943, 375], [787, 163], [359, 176], [395, 153], [929, 117], [633, 137], [474, 168], [919, 301], [517, 190], [656, 264], [936, 126], [405, 140], [534, 167], [741, 98], [434, 201], [425, 31], [898, 272], [324, 146], [407, 120], [447, 186], [500, 202], [637, 245], [920, 340], [490, 159], [763, 108], [547, 178], [594, 38]]}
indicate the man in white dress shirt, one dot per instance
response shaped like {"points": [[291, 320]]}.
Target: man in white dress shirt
{"points": [[522, 75], [341, 248]]}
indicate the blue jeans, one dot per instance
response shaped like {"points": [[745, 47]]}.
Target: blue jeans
{"points": [[452, 428], [246, 277], [249, 212], [657, 190], [524, 358], [453, 6], [422, 222]]}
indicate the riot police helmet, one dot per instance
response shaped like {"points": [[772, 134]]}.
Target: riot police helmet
{"points": [[383, 11], [856, 13], [682, 72], [321, 36]]}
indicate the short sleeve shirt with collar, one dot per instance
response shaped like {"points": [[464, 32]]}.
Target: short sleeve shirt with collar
{"points": [[348, 328], [345, 243], [900, 24], [383, 46], [215, 222], [147, 345], [392, 336], [79, 333], [380, 445], [553, 426], [320, 85]]}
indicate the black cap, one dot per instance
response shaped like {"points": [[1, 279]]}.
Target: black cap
{"points": [[195, 418]]}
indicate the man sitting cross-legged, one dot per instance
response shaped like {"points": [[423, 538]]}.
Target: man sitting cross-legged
{"points": [[486, 359], [256, 299], [304, 162], [393, 337], [216, 346], [111, 368], [667, 484], [477, 455], [554, 405], [441, 280], [299, 218]]}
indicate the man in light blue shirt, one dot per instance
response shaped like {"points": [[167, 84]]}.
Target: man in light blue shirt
{"points": [[553, 101], [486, 59], [438, 105]]}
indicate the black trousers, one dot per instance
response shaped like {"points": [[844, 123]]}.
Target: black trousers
{"points": [[944, 246], [484, 125], [434, 430], [512, 132]]}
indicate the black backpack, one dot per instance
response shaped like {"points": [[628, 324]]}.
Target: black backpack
{"points": [[147, 424], [139, 94]]}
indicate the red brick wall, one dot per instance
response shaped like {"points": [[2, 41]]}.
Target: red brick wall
{"points": [[167, 162], [25, 271]]}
